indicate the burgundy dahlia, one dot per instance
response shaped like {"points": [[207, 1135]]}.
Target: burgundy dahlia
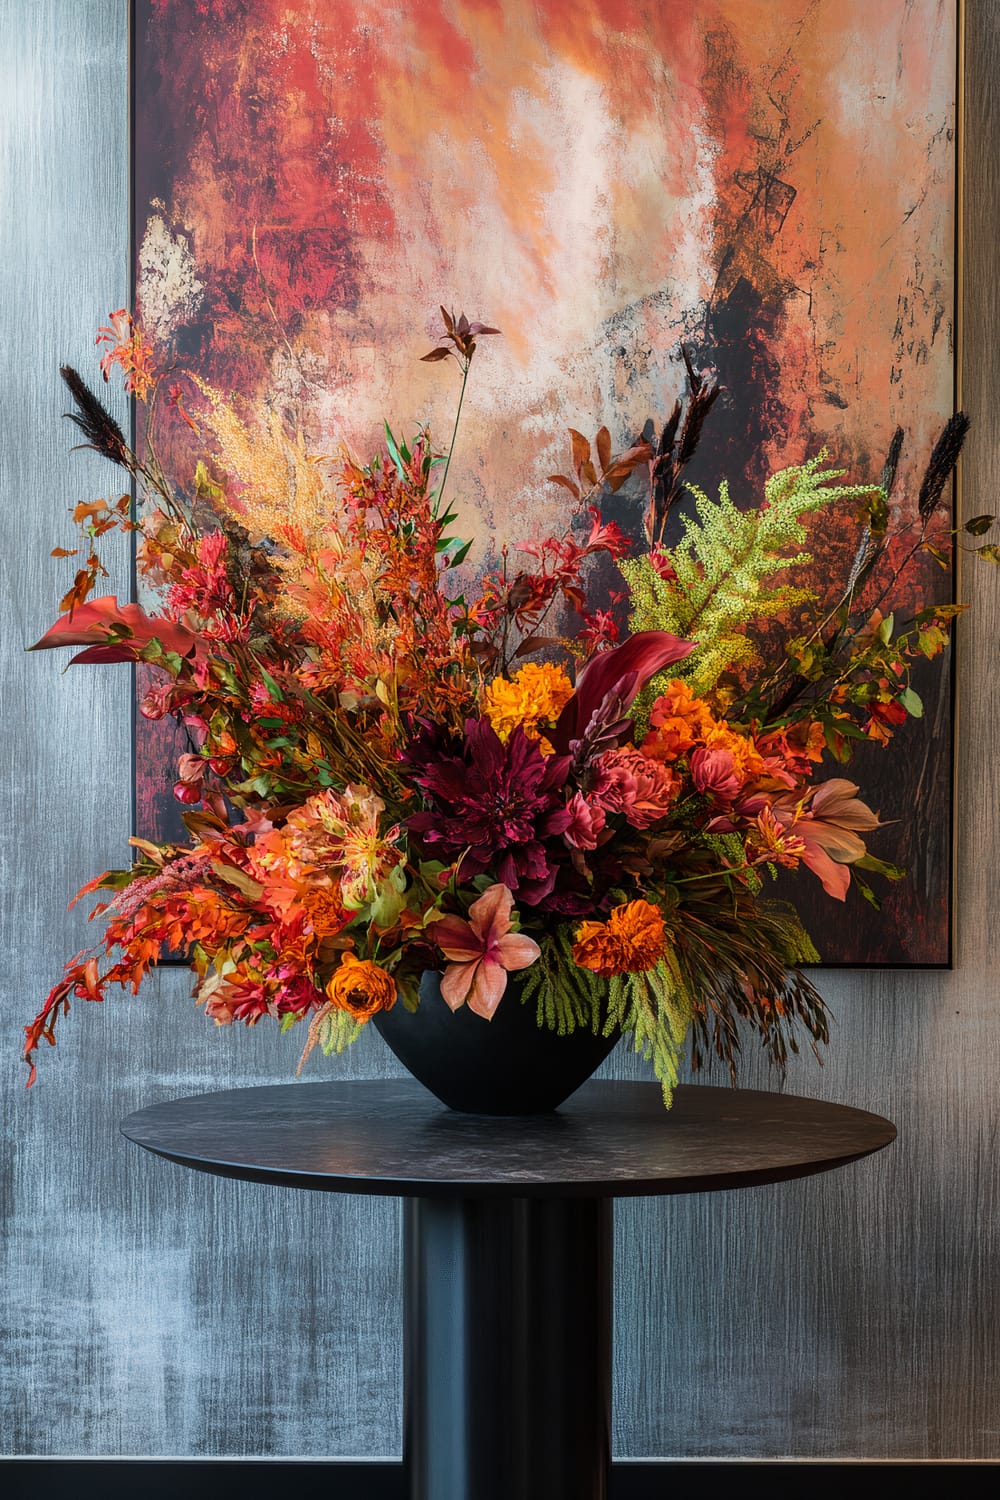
{"points": [[502, 805]]}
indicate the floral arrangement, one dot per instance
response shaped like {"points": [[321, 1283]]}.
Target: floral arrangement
{"points": [[393, 770]]}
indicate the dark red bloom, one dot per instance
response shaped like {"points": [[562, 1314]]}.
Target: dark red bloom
{"points": [[498, 804]]}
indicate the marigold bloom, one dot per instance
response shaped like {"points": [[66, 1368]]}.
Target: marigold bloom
{"points": [[361, 988], [748, 763], [631, 941], [677, 721], [533, 698]]}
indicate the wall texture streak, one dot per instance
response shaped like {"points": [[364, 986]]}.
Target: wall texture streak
{"points": [[149, 1311]]}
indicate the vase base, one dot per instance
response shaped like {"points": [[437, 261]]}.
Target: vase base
{"points": [[505, 1066]]}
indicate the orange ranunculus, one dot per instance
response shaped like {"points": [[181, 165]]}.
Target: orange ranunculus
{"points": [[629, 942], [361, 988]]}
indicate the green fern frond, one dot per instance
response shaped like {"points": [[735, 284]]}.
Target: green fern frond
{"points": [[656, 1010], [565, 996], [724, 565]]}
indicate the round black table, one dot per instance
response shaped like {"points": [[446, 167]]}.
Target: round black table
{"points": [[507, 1239]]}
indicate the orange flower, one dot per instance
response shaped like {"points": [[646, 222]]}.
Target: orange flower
{"points": [[677, 721], [533, 698], [361, 988], [129, 350], [629, 942]]}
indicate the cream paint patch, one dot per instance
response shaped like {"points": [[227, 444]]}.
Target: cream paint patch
{"points": [[168, 290]]}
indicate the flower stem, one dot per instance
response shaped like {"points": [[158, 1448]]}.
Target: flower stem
{"points": [[454, 434]]}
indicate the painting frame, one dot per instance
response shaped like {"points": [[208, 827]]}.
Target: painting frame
{"points": [[944, 957]]}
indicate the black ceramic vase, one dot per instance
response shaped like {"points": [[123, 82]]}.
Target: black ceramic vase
{"points": [[507, 1066]]}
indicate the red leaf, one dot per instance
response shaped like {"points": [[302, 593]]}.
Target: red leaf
{"points": [[537, 643], [622, 670], [64, 551], [94, 622], [581, 448], [603, 441], [567, 484]]}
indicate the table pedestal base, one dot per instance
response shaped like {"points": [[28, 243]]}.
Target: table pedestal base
{"points": [[507, 1348]]}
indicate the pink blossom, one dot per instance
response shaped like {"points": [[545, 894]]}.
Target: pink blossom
{"points": [[828, 820], [631, 783], [481, 951], [714, 773], [588, 821]]}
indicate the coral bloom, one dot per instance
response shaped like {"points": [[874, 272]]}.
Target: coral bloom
{"points": [[629, 942], [481, 951], [714, 773], [361, 988], [644, 790], [829, 823]]}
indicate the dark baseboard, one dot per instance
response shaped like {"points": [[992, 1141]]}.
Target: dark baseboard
{"points": [[308, 1479]]}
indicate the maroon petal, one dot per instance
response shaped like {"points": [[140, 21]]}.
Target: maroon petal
{"points": [[627, 668]]}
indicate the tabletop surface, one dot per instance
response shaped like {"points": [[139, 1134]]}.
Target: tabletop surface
{"points": [[390, 1136]]}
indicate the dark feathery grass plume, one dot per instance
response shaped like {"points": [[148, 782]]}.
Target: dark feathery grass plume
{"points": [[941, 463], [96, 423], [676, 447]]}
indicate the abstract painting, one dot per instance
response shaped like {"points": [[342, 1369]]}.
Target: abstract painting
{"points": [[766, 186]]}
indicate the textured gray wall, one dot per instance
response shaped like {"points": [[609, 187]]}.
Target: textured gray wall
{"points": [[147, 1310]]}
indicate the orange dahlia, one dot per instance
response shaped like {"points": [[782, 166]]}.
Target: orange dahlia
{"points": [[629, 942]]}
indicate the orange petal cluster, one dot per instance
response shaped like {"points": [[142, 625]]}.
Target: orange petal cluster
{"points": [[631, 941]]}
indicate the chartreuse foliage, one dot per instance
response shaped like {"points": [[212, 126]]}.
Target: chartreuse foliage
{"points": [[726, 568]]}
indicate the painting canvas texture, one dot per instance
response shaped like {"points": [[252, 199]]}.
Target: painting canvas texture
{"points": [[768, 184]]}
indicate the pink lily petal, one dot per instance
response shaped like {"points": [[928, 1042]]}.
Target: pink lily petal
{"points": [[517, 951], [836, 800], [836, 879], [488, 990], [839, 843], [457, 981], [456, 939], [490, 914]]}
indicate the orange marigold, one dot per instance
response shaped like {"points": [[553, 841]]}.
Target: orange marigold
{"points": [[629, 942], [361, 988], [534, 698], [748, 762], [677, 721]]}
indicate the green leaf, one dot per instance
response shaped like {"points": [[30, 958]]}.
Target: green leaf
{"points": [[274, 691], [911, 702], [394, 453], [865, 890], [879, 867], [885, 630], [979, 525], [460, 555], [989, 553]]}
